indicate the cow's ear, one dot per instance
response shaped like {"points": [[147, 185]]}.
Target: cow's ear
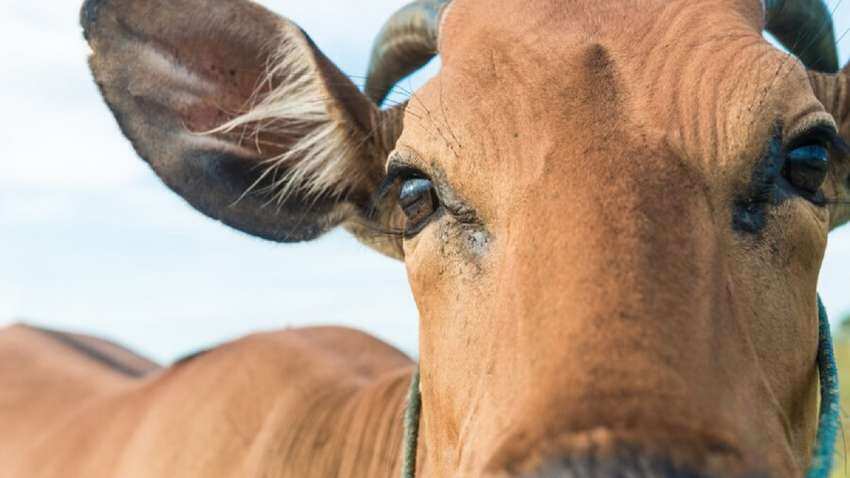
{"points": [[834, 92], [237, 111]]}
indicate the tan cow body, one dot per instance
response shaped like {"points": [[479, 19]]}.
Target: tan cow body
{"points": [[279, 404]]}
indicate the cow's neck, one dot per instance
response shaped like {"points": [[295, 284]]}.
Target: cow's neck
{"points": [[351, 434]]}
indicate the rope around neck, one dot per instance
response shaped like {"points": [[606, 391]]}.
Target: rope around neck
{"points": [[830, 406], [411, 427], [828, 419]]}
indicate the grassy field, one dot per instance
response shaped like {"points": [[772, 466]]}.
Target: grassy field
{"points": [[842, 352]]}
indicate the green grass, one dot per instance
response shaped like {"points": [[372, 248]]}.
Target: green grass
{"points": [[842, 355]]}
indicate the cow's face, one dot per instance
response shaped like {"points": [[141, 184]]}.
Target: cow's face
{"points": [[612, 218], [629, 215]]}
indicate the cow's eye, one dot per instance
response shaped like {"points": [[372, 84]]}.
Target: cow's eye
{"points": [[806, 168], [419, 202]]}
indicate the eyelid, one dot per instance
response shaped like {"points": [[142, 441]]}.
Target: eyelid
{"points": [[403, 157], [398, 167], [820, 126], [398, 170]]}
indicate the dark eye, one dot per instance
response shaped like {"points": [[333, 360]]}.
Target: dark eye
{"points": [[419, 202], [806, 168]]}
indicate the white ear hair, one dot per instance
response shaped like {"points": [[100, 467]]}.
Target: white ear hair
{"points": [[319, 162]]}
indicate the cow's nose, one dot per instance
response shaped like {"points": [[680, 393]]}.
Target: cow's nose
{"points": [[624, 467]]}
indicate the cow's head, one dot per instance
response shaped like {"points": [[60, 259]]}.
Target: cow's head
{"points": [[613, 214]]}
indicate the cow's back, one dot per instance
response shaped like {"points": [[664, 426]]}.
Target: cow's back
{"points": [[304, 402], [49, 377]]}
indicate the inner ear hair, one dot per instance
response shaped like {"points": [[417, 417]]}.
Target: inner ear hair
{"points": [[294, 124]]}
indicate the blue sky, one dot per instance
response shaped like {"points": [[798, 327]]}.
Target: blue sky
{"points": [[90, 239]]}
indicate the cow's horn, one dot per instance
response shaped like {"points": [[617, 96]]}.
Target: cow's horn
{"points": [[805, 28], [406, 43]]}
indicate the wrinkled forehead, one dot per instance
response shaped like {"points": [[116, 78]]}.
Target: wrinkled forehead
{"points": [[698, 72], [629, 24]]}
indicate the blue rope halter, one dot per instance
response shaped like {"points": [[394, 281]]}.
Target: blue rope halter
{"points": [[828, 420], [830, 406]]}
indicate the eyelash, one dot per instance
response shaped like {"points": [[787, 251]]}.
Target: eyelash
{"points": [[820, 134], [396, 174]]}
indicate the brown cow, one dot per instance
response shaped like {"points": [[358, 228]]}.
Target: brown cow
{"points": [[271, 405], [613, 215]]}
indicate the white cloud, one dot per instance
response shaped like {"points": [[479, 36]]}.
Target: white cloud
{"points": [[54, 146], [55, 130]]}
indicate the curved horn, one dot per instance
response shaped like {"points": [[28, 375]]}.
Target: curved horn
{"points": [[406, 43], [805, 28]]}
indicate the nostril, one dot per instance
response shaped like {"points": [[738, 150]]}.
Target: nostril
{"points": [[631, 467]]}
